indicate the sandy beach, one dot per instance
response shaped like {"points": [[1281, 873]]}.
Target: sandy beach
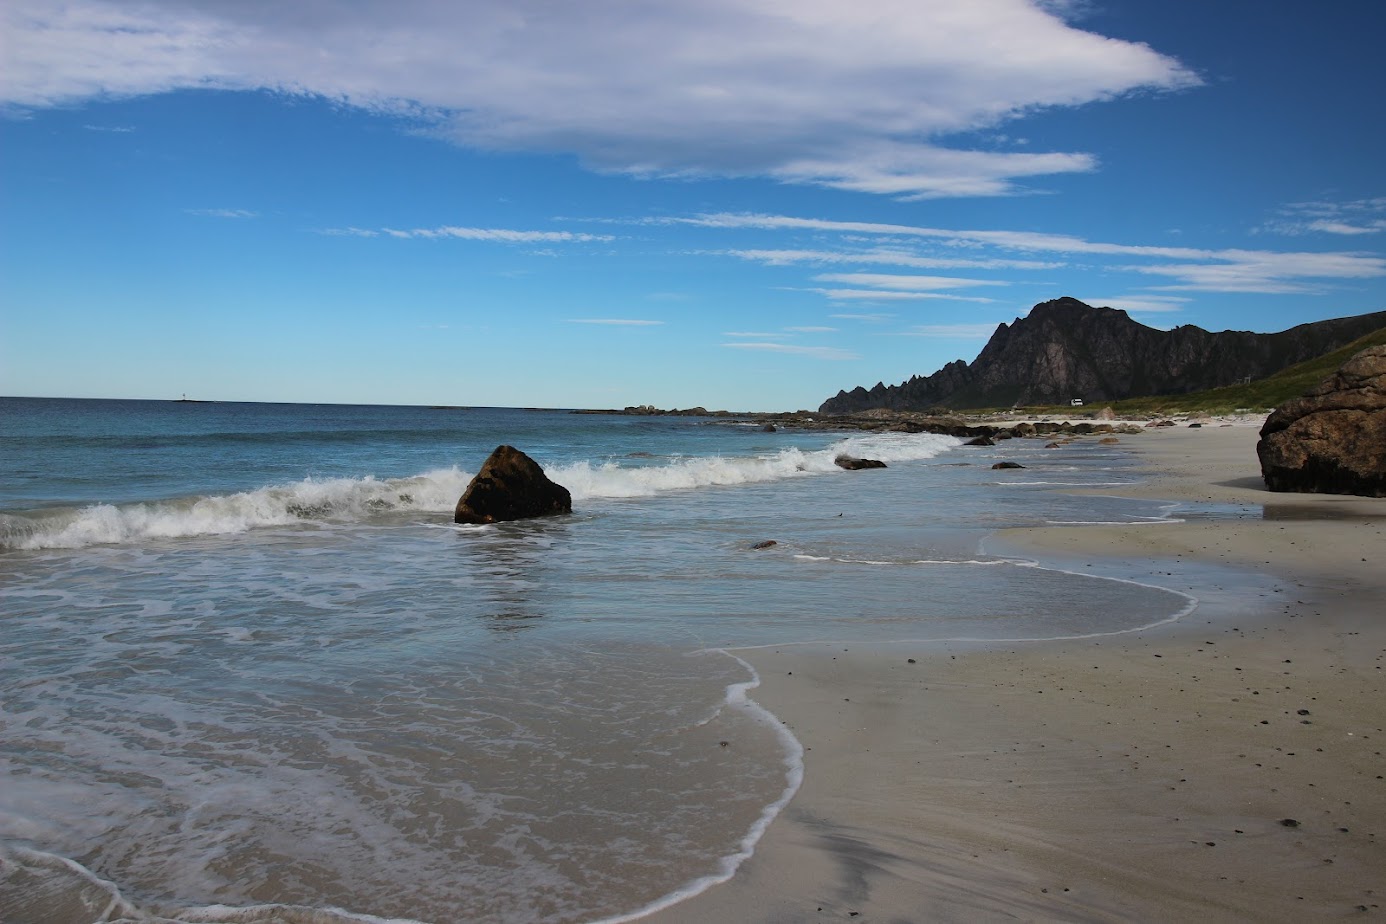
{"points": [[1227, 767]]}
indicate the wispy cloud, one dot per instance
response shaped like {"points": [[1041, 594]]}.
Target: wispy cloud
{"points": [[953, 331], [1227, 270], [616, 322], [886, 258], [812, 330], [814, 352], [496, 235], [905, 283], [223, 213], [817, 93], [1351, 218], [1343, 227], [113, 129], [884, 295], [870, 318], [1140, 303]]}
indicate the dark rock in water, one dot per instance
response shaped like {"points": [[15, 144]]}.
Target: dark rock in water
{"points": [[1108, 440], [769, 428], [1024, 430], [853, 464], [1194, 426], [1333, 439], [1007, 465], [511, 486], [1052, 445], [767, 544], [981, 441]]}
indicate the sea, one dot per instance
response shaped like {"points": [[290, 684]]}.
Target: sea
{"points": [[251, 671]]}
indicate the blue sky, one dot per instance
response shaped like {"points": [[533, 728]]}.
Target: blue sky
{"points": [[744, 205]]}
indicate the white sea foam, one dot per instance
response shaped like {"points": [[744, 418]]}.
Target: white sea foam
{"points": [[321, 500], [736, 697], [337, 500]]}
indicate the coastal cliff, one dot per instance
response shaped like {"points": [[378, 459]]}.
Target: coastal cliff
{"points": [[1065, 349]]}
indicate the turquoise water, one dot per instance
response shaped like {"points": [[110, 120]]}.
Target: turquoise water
{"points": [[252, 671]]}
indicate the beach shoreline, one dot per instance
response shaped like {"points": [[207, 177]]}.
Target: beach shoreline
{"points": [[1227, 767]]}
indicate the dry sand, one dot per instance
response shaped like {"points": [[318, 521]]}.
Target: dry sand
{"points": [[1225, 768]]}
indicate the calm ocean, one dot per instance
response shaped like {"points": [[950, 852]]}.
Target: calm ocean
{"points": [[251, 671]]}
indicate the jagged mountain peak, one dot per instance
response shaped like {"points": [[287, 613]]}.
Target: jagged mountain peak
{"points": [[1065, 349]]}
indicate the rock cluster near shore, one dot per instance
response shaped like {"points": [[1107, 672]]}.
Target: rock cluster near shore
{"points": [[1333, 439]]}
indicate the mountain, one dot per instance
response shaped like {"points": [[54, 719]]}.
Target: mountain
{"points": [[1064, 349]]}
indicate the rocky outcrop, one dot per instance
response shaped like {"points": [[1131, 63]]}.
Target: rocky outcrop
{"points": [[1064, 349], [511, 486], [1333, 439]]}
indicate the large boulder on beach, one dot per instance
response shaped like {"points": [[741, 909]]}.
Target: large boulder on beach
{"points": [[1332, 440], [511, 486]]}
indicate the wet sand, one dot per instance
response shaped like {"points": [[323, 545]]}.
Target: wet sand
{"points": [[1225, 768]]}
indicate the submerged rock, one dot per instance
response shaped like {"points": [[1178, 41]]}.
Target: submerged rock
{"points": [[1333, 439], [1007, 465], [511, 486], [852, 464]]}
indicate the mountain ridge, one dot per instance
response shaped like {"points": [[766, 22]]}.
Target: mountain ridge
{"points": [[1065, 349]]}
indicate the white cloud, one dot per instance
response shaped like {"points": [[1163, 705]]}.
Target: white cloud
{"points": [[812, 330], [753, 333], [616, 322], [816, 352], [870, 318], [953, 331], [854, 96]]}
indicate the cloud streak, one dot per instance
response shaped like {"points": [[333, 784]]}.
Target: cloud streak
{"points": [[1350, 219], [1189, 268], [616, 322], [794, 349], [859, 97], [495, 235], [952, 331]]}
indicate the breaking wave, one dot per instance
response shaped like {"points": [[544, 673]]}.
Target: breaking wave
{"points": [[331, 501]]}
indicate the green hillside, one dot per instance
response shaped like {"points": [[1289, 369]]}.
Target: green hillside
{"points": [[1260, 395]]}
